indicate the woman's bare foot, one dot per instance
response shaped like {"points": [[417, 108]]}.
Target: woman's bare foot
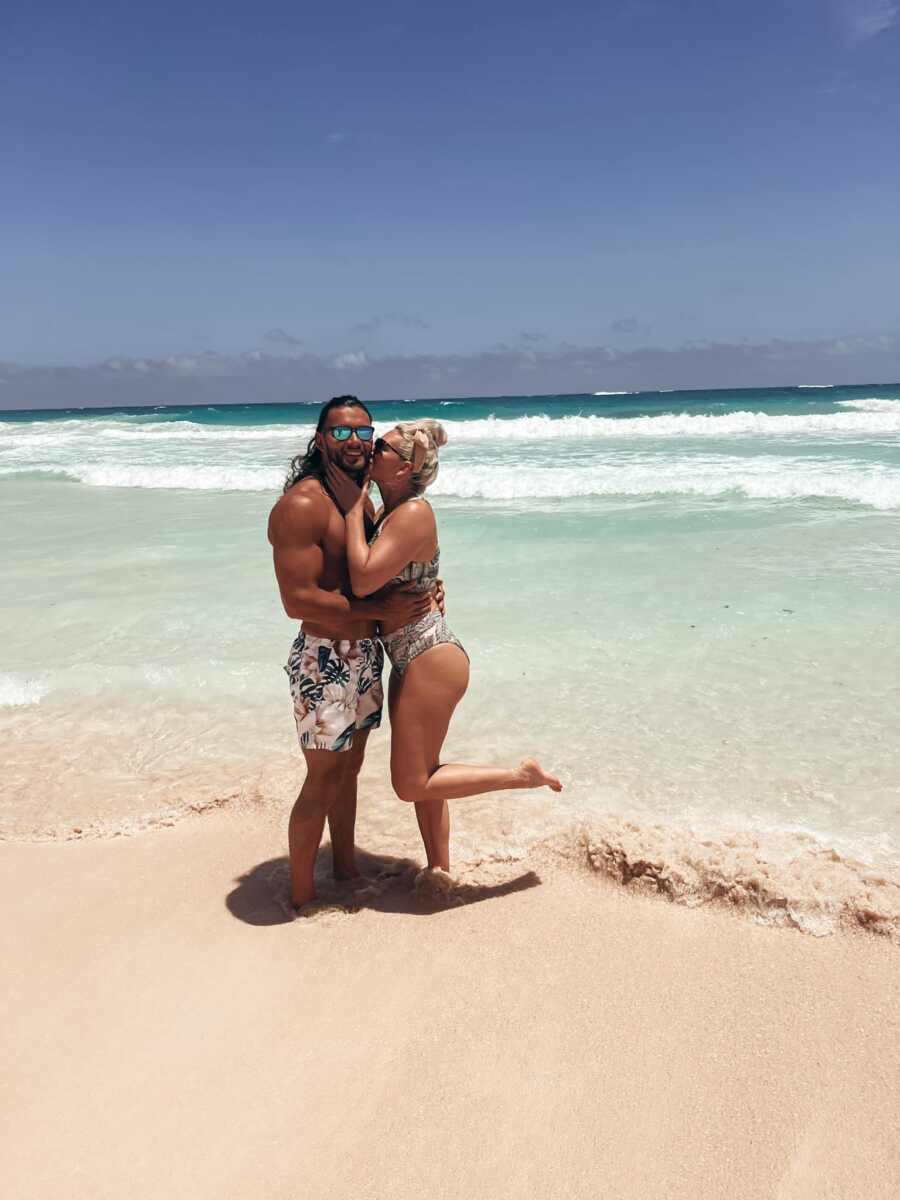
{"points": [[533, 775], [434, 880]]}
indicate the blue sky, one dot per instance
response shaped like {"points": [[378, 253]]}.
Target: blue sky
{"points": [[405, 179]]}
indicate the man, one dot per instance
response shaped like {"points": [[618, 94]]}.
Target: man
{"points": [[335, 663]]}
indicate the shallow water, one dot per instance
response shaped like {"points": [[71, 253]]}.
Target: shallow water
{"points": [[686, 604]]}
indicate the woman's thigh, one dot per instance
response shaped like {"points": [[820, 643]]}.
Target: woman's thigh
{"points": [[421, 705]]}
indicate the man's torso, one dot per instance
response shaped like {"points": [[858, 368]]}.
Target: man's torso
{"points": [[334, 575]]}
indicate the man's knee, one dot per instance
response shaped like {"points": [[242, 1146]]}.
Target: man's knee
{"points": [[333, 770]]}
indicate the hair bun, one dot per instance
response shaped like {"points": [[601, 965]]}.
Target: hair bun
{"points": [[420, 448], [434, 430]]}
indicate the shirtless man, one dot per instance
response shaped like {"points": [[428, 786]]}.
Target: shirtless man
{"points": [[335, 663]]}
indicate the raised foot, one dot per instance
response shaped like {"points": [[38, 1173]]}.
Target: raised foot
{"points": [[534, 775]]}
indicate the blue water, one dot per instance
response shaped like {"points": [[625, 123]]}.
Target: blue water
{"points": [[684, 602], [776, 401]]}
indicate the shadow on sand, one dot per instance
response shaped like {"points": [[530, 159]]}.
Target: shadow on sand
{"points": [[388, 884]]}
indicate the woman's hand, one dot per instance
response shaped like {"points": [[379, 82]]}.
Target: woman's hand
{"points": [[346, 493]]}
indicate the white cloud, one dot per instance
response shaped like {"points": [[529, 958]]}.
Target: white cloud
{"points": [[862, 20], [206, 378], [377, 324], [352, 359], [281, 336], [335, 137], [858, 345]]}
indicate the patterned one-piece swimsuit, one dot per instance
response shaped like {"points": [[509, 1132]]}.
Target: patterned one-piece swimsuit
{"points": [[408, 642]]}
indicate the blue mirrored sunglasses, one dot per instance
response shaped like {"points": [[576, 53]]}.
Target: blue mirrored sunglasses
{"points": [[341, 433]]}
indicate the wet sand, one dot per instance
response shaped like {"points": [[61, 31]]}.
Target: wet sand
{"points": [[171, 1033]]}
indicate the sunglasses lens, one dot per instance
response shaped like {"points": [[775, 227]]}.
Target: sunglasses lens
{"points": [[342, 433]]}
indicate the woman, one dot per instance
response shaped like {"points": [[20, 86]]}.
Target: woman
{"points": [[430, 668]]}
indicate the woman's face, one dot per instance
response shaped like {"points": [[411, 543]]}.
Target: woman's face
{"points": [[387, 463]]}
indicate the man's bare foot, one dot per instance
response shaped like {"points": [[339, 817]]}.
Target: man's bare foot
{"points": [[302, 892], [533, 775]]}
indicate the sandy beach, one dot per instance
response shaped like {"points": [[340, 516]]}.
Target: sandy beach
{"points": [[172, 1033], [578, 325]]}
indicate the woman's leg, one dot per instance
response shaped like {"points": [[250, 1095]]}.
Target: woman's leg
{"points": [[433, 816], [432, 686]]}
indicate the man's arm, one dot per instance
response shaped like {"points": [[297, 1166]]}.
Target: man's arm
{"points": [[295, 531]]}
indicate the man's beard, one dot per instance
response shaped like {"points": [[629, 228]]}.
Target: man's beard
{"points": [[355, 473]]}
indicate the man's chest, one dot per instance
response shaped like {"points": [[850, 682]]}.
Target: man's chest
{"points": [[334, 545]]}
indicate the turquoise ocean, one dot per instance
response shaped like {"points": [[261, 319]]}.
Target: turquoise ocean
{"points": [[685, 603]]}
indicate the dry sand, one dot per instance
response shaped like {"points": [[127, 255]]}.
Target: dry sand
{"points": [[170, 1033]]}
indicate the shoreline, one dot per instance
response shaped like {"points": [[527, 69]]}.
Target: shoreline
{"points": [[787, 879], [552, 1035]]}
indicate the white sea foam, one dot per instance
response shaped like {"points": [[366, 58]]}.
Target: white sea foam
{"points": [[873, 417], [768, 477], [529, 457], [69, 433], [678, 425], [763, 477], [786, 879], [188, 478], [871, 405], [190, 431], [19, 692]]}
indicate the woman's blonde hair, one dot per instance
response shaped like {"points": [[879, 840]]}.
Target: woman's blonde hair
{"points": [[419, 446]]}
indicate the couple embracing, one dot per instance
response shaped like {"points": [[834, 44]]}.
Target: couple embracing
{"points": [[364, 583]]}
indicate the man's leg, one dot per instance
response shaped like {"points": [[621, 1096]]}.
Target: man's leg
{"points": [[323, 785], [342, 813]]}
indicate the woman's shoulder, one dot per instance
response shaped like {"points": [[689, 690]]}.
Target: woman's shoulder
{"points": [[413, 526], [415, 513]]}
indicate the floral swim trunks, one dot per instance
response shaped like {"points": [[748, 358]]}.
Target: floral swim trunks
{"points": [[336, 689]]}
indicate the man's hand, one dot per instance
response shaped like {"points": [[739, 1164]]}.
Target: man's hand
{"points": [[346, 493], [401, 606]]}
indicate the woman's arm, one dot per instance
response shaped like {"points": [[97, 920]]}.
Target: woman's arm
{"points": [[409, 532]]}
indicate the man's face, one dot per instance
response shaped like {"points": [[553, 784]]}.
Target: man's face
{"points": [[351, 455]]}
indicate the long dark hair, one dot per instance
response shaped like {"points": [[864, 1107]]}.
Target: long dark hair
{"points": [[310, 461]]}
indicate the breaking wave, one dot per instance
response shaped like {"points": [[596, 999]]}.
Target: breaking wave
{"points": [[765, 477], [681, 425], [872, 405], [871, 416], [497, 458], [786, 879]]}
